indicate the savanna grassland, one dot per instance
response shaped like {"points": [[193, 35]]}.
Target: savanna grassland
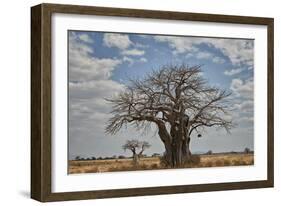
{"points": [[151, 163]]}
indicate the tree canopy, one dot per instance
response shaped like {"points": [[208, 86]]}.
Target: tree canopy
{"points": [[135, 146], [175, 98]]}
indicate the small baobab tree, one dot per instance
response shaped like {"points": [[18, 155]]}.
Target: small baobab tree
{"points": [[247, 150], [178, 100], [137, 148]]}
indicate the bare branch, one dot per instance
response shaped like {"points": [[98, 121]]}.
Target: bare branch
{"points": [[177, 96], [135, 145]]}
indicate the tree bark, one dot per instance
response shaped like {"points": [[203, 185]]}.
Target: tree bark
{"points": [[186, 149], [176, 145], [177, 153]]}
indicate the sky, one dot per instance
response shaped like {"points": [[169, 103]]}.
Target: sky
{"points": [[100, 65]]}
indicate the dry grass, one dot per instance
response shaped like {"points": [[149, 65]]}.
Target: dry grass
{"points": [[151, 163]]}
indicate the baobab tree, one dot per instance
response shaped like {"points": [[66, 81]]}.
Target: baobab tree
{"points": [[179, 101], [247, 150], [136, 147]]}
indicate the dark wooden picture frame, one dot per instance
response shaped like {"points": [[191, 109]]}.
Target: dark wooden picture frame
{"points": [[41, 102]]}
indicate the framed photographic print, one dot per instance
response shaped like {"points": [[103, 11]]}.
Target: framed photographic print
{"points": [[130, 102]]}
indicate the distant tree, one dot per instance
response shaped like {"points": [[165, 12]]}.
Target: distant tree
{"points": [[247, 150], [93, 158], [155, 155], [137, 148], [209, 152], [77, 158], [99, 158], [178, 100], [121, 157]]}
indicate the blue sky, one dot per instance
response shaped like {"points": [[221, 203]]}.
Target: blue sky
{"points": [[100, 65]]}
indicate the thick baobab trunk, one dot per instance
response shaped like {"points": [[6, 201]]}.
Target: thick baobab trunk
{"points": [[177, 154], [177, 151], [186, 153], [180, 152]]}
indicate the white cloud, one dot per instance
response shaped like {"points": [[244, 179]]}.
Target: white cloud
{"points": [[179, 44], [89, 81], [189, 55], [76, 46], [243, 89], [218, 60], [239, 51], [143, 59], [146, 36], [91, 95], [102, 86], [232, 72], [85, 38], [243, 120], [89, 85], [120, 41], [208, 55], [129, 60], [245, 106], [189, 45], [203, 55], [89, 68], [133, 52], [243, 100], [126, 46], [84, 66], [139, 45]]}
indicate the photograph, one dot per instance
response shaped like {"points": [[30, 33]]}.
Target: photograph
{"points": [[133, 102], [152, 101]]}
